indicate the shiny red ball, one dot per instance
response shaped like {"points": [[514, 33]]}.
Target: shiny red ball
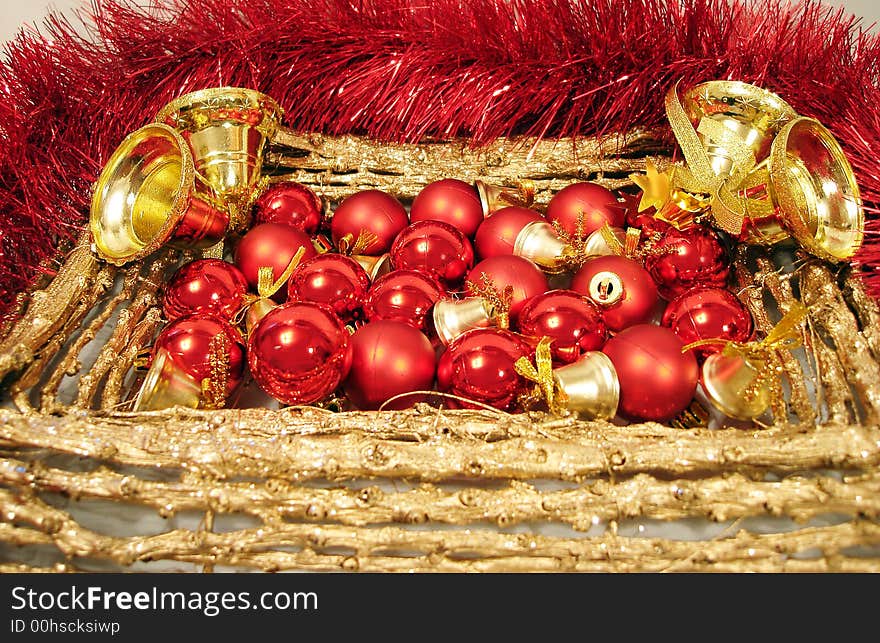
{"points": [[388, 358], [405, 296], [332, 279], [290, 203], [623, 290], [451, 201], [525, 277], [369, 211], [479, 365], [645, 220], [187, 342], [205, 286], [572, 321], [436, 249], [299, 352], [657, 380], [708, 313], [687, 258], [596, 204], [497, 233], [270, 245]]}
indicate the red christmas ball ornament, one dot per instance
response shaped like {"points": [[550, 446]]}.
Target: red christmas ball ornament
{"points": [[332, 279], [205, 286], [451, 201], [271, 245], [594, 204], [687, 258], [479, 365], [404, 296], [644, 220], [497, 233], [299, 352], [388, 358], [522, 275], [436, 249], [708, 313], [290, 203], [657, 380], [572, 321], [623, 290], [188, 343], [371, 211]]}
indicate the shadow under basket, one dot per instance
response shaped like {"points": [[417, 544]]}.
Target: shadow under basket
{"points": [[86, 484]]}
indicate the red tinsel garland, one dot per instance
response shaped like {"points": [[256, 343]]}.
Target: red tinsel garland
{"points": [[401, 70]]}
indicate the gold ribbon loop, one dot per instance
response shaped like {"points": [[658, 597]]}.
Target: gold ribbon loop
{"points": [[630, 246], [348, 245], [545, 383], [267, 285]]}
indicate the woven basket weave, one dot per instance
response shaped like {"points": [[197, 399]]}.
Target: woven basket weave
{"points": [[425, 489]]}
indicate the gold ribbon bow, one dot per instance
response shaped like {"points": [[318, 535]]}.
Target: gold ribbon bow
{"points": [[348, 245], [499, 301], [545, 383]]}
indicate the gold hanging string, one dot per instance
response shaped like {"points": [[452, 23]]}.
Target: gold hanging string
{"points": [[214, 387], [348, 245], [499, 300], [542, 374]]}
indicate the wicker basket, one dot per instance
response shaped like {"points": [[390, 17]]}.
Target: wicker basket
{"points": [[87, 485]]}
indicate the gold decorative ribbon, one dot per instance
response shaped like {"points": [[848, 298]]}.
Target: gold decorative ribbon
{"points": [[542, 375], [499, 301], [629, 248], [214, 387], [267, 285], [348, 245]]}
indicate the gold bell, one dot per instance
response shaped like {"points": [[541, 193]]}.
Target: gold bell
{"points": [[166, 386], [730, 384], [452, 318], [596, 246], [148, 195], [590, 386], [495, 197], [375, 266], [539, 243]]}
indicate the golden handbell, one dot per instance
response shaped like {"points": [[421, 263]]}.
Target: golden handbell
{"points": [[732, 384], [452, 318], [167, 385], [590, 386], [495, 197], [539, 243], [375, 266]]}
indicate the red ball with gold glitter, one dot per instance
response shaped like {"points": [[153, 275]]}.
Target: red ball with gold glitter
{"points": [[451, 201], [497, 233], [405, 296], [572, 321], [620, 287], [205, 286], [436, 249], [657, 380], [372, 212], [524, 277], [593, 204], [299, 352], [388, 358], [706, 313], [270, 245], [332, 279], [290, 203], [683, 259]]}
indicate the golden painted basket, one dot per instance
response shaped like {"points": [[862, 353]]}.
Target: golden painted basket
{"points": [[87, 485]]}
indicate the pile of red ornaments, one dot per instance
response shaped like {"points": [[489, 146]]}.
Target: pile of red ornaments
{"points": [[380, 307]]}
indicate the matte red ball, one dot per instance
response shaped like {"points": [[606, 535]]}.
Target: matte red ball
{"points": [[632, 300], [525, 277], [572, 321], [388, 358], [290, 203], [451, 201], [595, 203], [688, 258], [708, 313], [332, 279], [497, 233], [187, 342], [205, 286], [404, 296], [657, 380], [370, 211], [479, 365], [270, 245], [299, 352], [436, 249]]}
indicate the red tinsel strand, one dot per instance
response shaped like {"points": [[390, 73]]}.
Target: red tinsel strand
{"points": [[403, 70]]}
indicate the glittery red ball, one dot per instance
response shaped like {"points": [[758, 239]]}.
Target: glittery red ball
{"points": [[270, 245], [687, 258], [479, 365], [389, 358], [451, 201], [657, 380], [299, 352], [596, 204], [623, 290], [525, 277], [572, 321], [497, 233], [708, 313], [187, 342], [290, 203], [332, 279], [436, 249], [369, 211], [644, 220], [205, 285], [405, 296]]}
